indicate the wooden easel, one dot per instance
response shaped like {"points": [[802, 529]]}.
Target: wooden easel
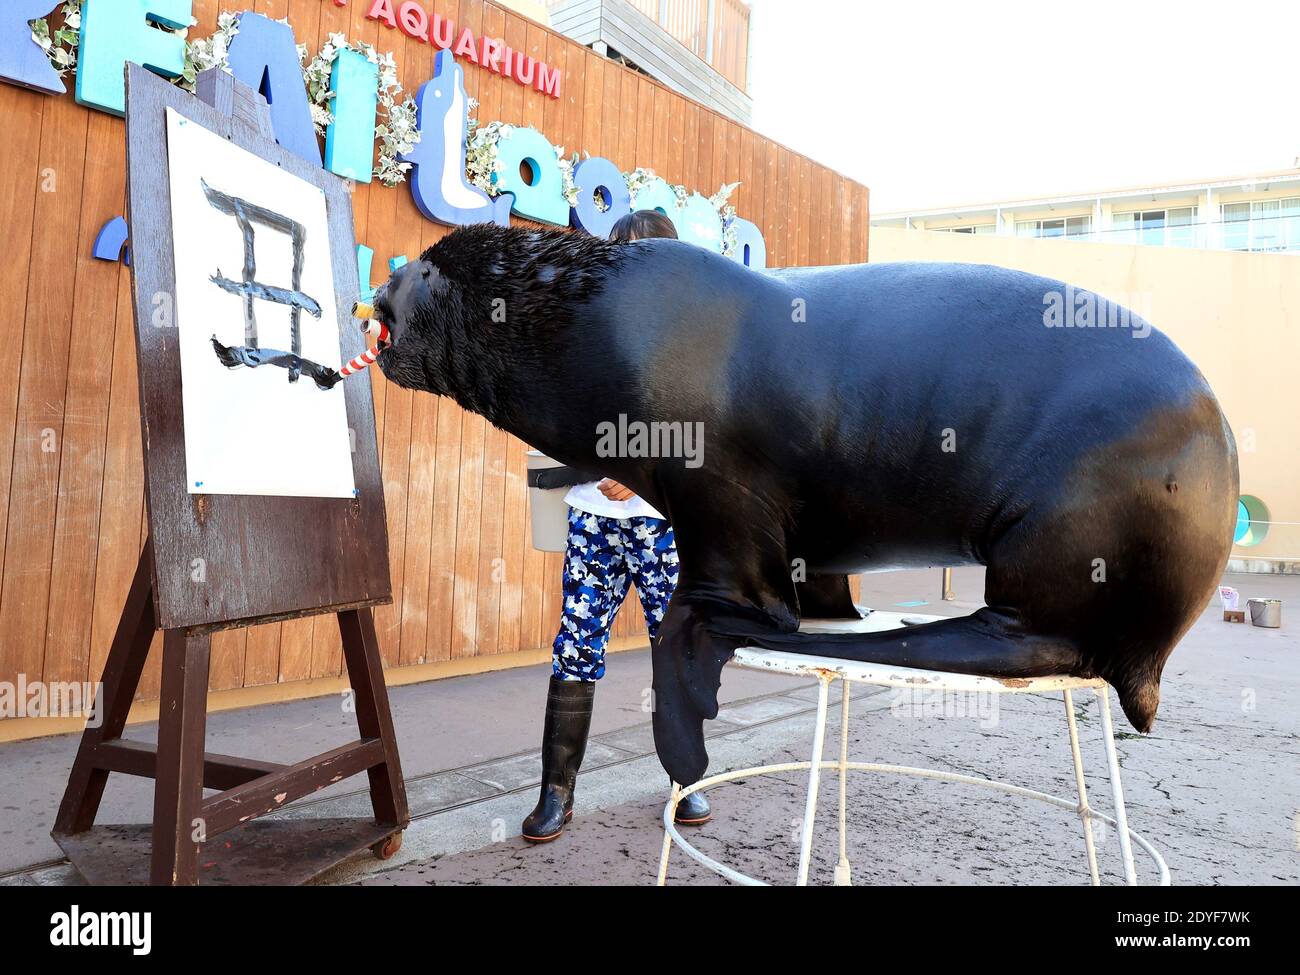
{"points": [[297, 545], [182, 769]]}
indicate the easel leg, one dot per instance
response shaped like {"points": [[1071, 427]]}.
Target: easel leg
{"points": [[374, 719], [178, 789], [126, 659]]}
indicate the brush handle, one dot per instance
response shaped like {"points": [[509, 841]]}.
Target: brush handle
{"points": [[370, 355]]}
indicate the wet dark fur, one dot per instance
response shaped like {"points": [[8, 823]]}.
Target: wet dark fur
{"points": [[822, 447], [541, 278]]}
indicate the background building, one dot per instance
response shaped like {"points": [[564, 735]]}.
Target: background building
{"points": [[1240, 213], [699, 48]]}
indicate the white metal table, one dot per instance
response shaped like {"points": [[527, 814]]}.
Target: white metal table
{"points": [[828, 669]]}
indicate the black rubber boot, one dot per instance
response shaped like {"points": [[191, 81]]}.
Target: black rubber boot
{"points": [[693, 811], [564, 740]]}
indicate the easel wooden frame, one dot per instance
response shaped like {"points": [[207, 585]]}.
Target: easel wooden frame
{"points": [[269, 559]]}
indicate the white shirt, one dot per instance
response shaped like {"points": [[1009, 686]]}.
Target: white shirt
{"points": [[587, 497]]}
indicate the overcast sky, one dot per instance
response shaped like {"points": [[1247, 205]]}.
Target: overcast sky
{"points": [[938, 102]]}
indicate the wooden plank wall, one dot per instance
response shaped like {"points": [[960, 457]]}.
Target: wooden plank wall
{"points": [[467, 581]]}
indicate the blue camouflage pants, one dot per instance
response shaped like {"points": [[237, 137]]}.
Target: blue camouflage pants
{"points": [[603, 556]]}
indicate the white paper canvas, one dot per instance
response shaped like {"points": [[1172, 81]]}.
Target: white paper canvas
{"points": [[250, 430]]}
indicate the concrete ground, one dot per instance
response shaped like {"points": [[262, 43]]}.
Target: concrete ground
{"points": [[1215, 788]]}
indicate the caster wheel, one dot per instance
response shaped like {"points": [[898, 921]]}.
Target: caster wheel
{"points": [[387, 849]]}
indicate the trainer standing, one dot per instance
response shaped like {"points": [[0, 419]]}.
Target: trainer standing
{"points": [[615, 538]]}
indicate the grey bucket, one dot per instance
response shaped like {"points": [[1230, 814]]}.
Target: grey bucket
{"points": [[550, 515], [1265, 612]]}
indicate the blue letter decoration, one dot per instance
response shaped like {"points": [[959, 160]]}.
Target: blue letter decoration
{"points": [[110, 244], [438, 183], [264, 56], [656, 194], [22, 62], [542, 196], [599, 175], [114, 32], [698, 222], [751, 249], [350, 138], [365, 261]]}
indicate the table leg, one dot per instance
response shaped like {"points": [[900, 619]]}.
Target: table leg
{"points": [[1117, 788], [668, 837], [814, 780], [1085, 812], [843, 872]]}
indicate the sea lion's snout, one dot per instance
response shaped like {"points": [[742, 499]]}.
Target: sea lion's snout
{"points": [[406, 305], [410, 290]]}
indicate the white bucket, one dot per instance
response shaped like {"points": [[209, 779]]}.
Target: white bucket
{"points": [[550, 515]]}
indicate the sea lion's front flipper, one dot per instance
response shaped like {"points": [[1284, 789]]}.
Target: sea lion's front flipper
{"points": [[826, 597], [740, 587], [696, 639], [688, 661]]}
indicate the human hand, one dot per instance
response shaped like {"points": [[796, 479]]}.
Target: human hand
{"points": [[615, 491]]}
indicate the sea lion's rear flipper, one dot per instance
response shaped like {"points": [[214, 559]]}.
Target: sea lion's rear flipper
{"points": [[698, 637], [826, 598], [987, 642]]}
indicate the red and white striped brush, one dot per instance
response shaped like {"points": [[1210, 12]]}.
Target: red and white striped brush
{"points": [[371, 326]]}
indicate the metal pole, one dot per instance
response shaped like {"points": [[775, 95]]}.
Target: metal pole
{"points": [[814, 780], [946, 587], [668, 837], [709, 28], [749, 50], [1117, 789], [1085, 812], [843, 872]]}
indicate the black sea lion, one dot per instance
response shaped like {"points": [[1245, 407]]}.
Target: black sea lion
{"points": [[854, 418]]}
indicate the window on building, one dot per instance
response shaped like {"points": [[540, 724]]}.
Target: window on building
{"points": [[1171, 227], [984, 228], [1056, 227], [1236, 226], [1262, 225]]}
